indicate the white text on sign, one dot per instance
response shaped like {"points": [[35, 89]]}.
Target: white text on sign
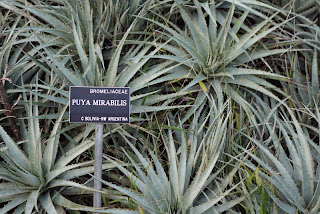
{"points": [[103, 119], [85, 102], [108, 91]]}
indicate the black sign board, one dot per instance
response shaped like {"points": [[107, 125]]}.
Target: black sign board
{"points": [[99, 104]]}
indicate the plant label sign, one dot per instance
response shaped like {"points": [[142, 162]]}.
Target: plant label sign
{"points": [[99, 104]]}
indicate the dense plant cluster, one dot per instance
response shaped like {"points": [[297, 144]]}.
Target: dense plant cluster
{"points": [[224, 97]]}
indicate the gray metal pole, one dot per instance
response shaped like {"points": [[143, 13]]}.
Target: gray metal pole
{"points": [[98, 164]]}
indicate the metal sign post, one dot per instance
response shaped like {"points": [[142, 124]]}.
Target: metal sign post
{"points": [[99, 105], [98, 150]]}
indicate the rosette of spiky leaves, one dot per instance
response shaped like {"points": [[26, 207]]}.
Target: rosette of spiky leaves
{"points": [[133, 70], [286, 156], [71, 27], [218, 49], [55, 19], [89, 61], [186, 179], [33, 177]]}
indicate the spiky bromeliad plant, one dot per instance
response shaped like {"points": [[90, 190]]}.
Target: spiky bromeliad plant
{"points": [[218, 50], [187, 179], [36, 177], [286, 156], [74, 50]]}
